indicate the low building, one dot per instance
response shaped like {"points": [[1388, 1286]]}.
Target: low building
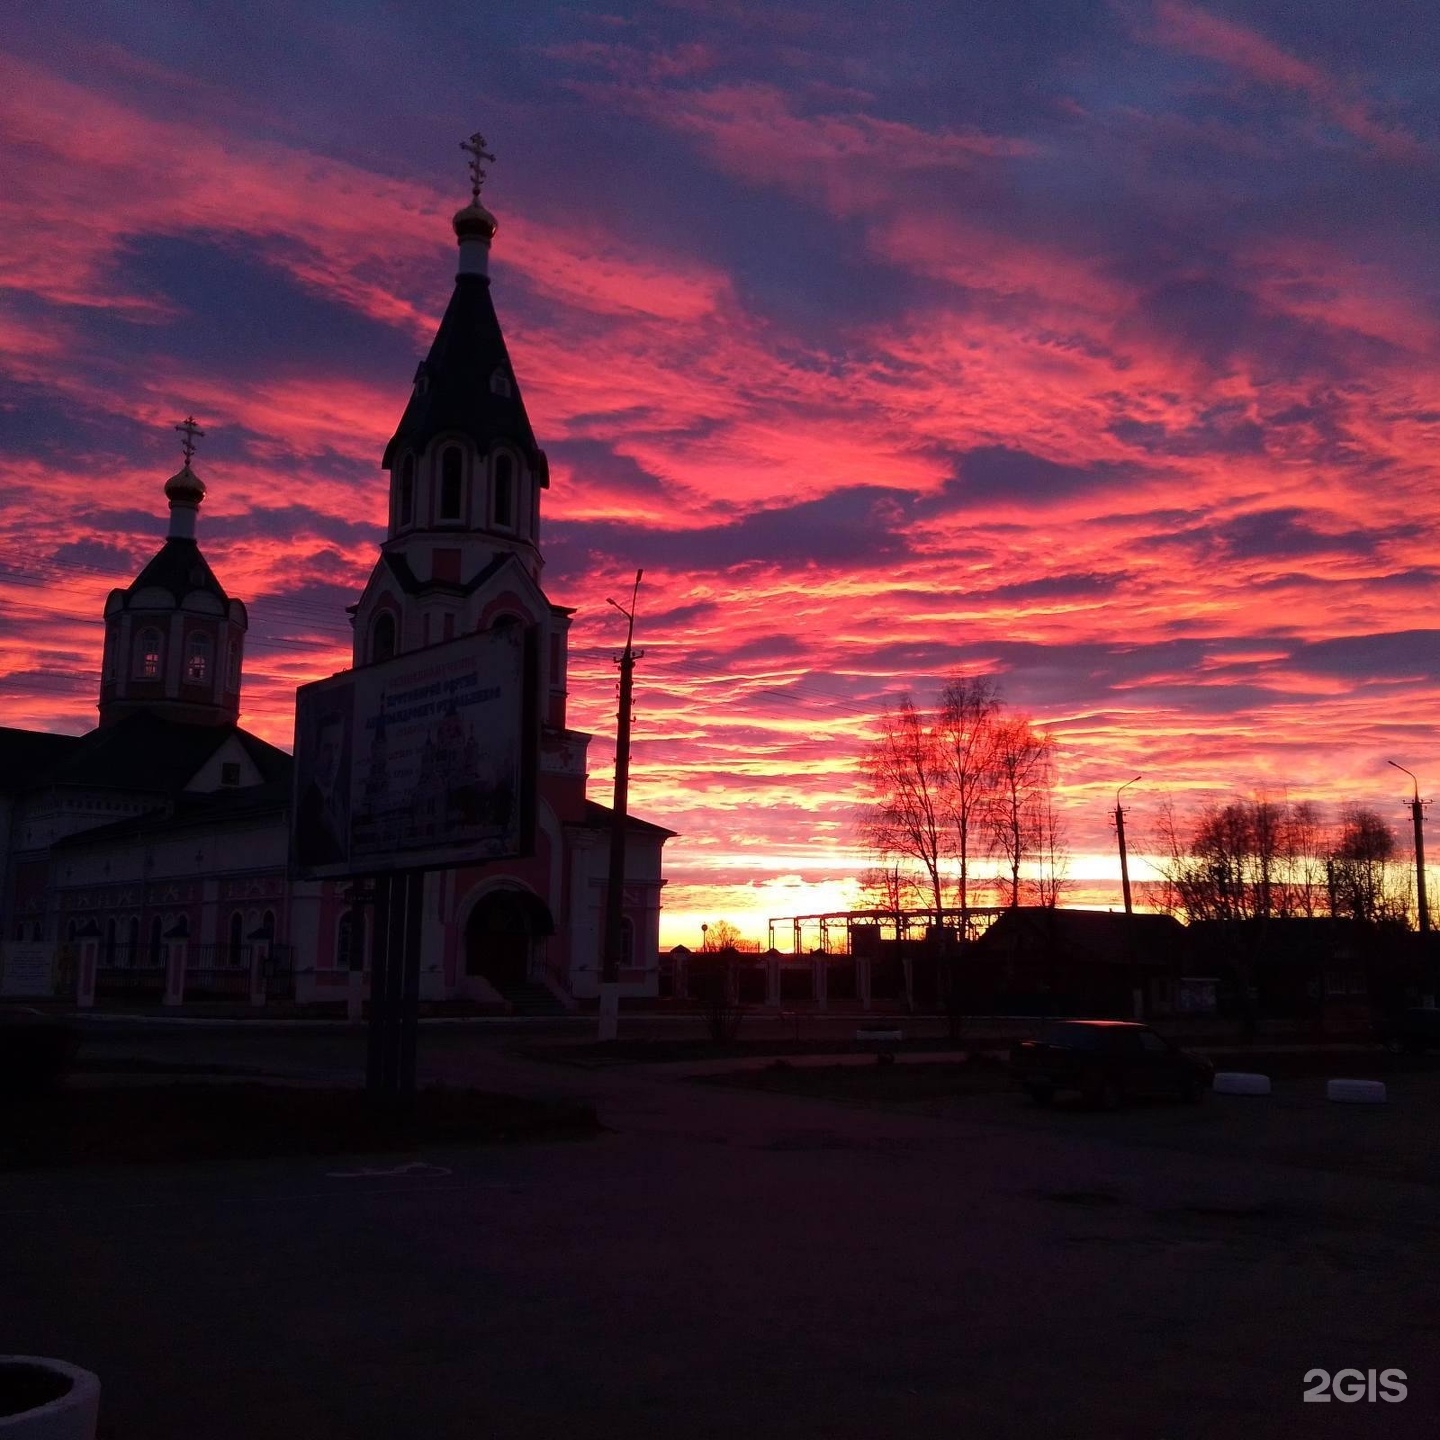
{"points": [[1045, 960], [166, 823]]}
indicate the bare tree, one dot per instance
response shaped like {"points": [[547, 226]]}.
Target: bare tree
{"points": [[1260, 859], [723, 935], [1364, 883], [1025, 773], [892, 886], [1266, 835], [1053, 855], [966, 734], [943, 785], [1169, 848], [906, 818], [1305, 856], [1228, 866]]}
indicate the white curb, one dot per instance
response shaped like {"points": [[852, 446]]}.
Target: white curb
{"points": [[1239, 1082], [1356, 1092]]}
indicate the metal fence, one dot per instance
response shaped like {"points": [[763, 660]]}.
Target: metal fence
{"points": [[130, 972], [280, 973], [218, 972], [222, 972]]}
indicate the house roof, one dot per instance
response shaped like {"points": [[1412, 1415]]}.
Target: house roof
{"points": [[189, 812], [24, 754], [180, 568], [600, 817], [411, 583], [1293, 939], [1098, 935], [147, 753], [452, 386]]}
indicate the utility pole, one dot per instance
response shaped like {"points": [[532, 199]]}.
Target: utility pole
{"points": [[1417, 815], [615, 890], [1120, 833]]}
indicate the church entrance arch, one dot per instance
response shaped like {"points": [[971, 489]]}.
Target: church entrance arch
{"points": [[503, 934]]}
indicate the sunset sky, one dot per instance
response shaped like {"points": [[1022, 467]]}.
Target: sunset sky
{"points": [[1094, 345]]}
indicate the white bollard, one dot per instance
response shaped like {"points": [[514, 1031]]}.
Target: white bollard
{"points": [[44, 1399], [1239, 1082], [1356, 1092]]}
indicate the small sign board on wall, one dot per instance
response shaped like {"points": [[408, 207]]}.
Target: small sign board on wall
{"points": [[27, 971], [422, 762]]}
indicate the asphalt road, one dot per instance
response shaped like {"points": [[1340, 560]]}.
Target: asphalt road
{"points": [[724, 1263]]}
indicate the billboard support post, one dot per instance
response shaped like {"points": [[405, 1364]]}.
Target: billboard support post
{"points": [[361, 895], [395, 983], [426, 761]]}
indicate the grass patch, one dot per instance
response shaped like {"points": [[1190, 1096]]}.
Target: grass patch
{"points": [[146, 1124], [871, 1084]]}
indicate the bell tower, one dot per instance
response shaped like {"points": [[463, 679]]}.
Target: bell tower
{"points": [[462, 541], [174, 640]]}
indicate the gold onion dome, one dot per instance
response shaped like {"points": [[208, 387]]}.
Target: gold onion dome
{"points": [[474, 222], [185, 487]]}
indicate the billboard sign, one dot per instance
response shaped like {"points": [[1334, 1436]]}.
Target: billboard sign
{"points": [[420, 762]]}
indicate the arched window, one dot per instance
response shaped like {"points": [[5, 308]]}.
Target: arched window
{"points": [[197, 659], [500, 384], [405, 508], [267, 924], [504, 490], [156, 931], [233, 678], [109, 661], [344, 935], [132, 945], [110, 941], [344, 938], [382, 637], [147, 654], [237, 936], [450, 475]]}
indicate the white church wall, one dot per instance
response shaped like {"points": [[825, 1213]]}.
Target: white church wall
{"points": [[211, 775]]}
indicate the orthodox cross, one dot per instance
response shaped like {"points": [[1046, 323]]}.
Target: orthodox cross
{"points": [[474, 147], [191, 430]]}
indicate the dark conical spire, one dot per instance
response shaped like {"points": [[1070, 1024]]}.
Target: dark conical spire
{"points": [[465, 384]]}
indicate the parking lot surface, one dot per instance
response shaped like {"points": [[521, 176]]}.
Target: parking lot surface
{"points": [[723, 1263]]}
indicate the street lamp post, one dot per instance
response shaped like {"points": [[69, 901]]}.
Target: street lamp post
{"points": [[1120, 835], [1417, 816], [613, 938]]}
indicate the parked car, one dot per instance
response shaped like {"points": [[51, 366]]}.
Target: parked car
{"points": [[1107, 1061], [1411, 1030]]}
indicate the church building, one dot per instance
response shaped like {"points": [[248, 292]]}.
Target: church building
{"points": [[462, 556], [147, 860], [151, 859]]}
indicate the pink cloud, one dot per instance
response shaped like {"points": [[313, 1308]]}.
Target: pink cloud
{"points": [[753, 707], [850, 160]]}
